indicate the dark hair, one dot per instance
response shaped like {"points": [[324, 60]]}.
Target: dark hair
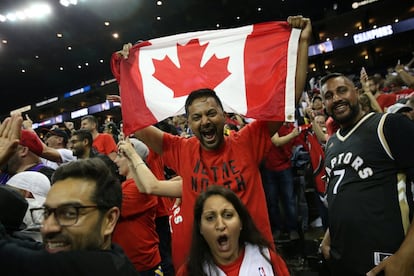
{"points": [[202, 93], [316, 97], [108, 191], [200, 252], [330, 76], [84, 134], [91, 118]]}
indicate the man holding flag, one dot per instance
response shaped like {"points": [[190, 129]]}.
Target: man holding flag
{"points": [[270, 74]]}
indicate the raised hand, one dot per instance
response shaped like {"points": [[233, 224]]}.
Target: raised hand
{"points": [[10, 131]]}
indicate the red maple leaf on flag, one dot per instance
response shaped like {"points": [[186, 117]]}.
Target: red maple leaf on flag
{"points": [[189, 75]]}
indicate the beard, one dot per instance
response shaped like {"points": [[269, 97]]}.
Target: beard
{"points": [[348, 118]]}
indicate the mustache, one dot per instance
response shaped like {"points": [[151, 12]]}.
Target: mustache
{"points": [[55, 237], [341, 102]]}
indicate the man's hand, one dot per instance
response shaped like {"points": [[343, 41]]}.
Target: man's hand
{"points": [[114, 98], [363, 78], [125, 50], [10, 131], [393, 265], [69, 125], [300, 22], [28, 123]]}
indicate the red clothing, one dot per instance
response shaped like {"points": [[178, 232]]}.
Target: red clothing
{"points": [[235, 165], [278, 158], [104, 143], [156, 165], [135, 231], [331, 126], [386, 100]]}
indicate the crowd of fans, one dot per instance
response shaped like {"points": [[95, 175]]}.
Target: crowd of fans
{"points": [[143, 228]]}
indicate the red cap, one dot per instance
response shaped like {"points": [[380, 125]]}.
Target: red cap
{"points": [[32, 141]]}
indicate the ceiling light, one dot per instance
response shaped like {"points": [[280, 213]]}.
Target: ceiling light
{"points": [[61, 68], [314, 69], [238, 17], [69, 48], [259, 9], [218, 25], [36, 57], [101, 60], [374, 27], [20, 15], [38, 10], [366, 57], [34, 11], [158, 17], [159, 3], [345, 34], [106, 23], [67, 3], [395, 20], [59, 35], [115, 35], [79, 66], [11, 17], [4, 41], [23, 71], [86, 64]]}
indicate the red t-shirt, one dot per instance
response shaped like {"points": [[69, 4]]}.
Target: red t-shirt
{"points": [[135, 231], [235, 165], [156, 165], [278, 158], [386, 100], [104, 143]]}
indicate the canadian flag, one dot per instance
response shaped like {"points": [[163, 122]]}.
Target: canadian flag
{"points": [[251, 68]]}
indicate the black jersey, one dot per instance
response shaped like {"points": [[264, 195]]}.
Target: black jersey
{"points": [[368, 210]]}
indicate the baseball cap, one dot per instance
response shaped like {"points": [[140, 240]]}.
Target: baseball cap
{"points": [[398, 108], [140, 148], [32, 141], [35, 182], [60, 133], [13, 207]]}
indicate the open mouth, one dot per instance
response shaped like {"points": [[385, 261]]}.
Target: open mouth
{"points": [[209, 135], [56, 246], [223, 243]]}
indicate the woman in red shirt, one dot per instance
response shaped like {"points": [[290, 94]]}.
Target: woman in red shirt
{"points": [[226, 241]]}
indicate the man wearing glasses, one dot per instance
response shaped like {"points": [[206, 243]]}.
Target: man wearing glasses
{"points": [[77, 221]]}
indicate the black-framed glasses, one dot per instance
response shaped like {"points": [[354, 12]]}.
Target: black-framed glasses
{"points": [[65, 215]]}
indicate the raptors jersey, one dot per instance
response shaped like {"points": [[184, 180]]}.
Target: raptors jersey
{"points": [[368, 210]]}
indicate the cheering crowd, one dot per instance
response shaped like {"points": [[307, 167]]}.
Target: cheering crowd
{"points": [[211, 192]]}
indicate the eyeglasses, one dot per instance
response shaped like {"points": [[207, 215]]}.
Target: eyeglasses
{"points": [[65, 215]]}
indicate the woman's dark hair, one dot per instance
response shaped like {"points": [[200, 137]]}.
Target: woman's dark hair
{"points": [[200, 252], [201, 93]]}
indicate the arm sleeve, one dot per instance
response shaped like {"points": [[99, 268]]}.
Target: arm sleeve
{"points": [[399, 133], [26, 258]]}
